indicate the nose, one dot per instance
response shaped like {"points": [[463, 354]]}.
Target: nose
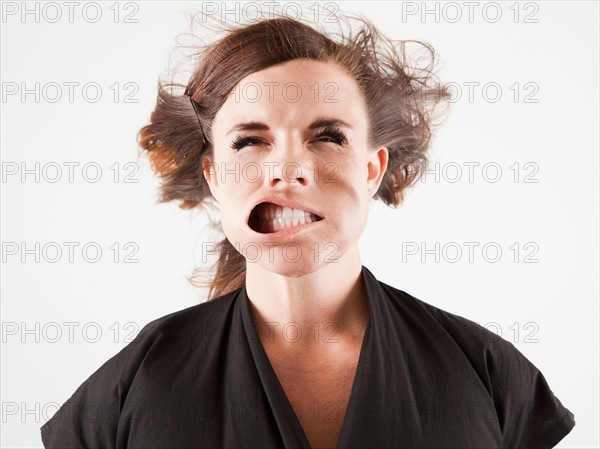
{"points": [[290, 172], [288, 165]]}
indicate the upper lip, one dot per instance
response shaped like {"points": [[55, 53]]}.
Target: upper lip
{"points": [[283, 202]]}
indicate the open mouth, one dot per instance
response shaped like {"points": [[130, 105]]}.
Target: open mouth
{"points": [[267, 218]]}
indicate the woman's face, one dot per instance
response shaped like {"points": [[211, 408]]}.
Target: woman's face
{"points": [[294, 135]]}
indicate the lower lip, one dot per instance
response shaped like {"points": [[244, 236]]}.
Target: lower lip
{"points": [[285, 232]]}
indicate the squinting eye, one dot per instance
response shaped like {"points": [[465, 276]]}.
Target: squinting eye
{"points": [[327, 135], [332, 140], [240, 142], [333, 135]]}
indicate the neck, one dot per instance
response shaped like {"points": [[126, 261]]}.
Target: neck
{"points": [[329, 304]]}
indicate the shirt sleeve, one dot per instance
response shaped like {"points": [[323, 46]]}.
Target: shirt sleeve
{"points": [[529, 414], [90, 417]]}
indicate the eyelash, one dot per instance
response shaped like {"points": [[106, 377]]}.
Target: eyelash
{"points": [[336, 134]]}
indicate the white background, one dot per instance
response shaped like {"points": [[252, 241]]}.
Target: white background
{"points": [[558, 134]]}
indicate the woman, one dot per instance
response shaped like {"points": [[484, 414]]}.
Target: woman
{"points": [[291, 134]]}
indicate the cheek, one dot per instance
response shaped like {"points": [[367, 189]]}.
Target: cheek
{"points": [[233, 203], [348, 185], [350, 195], [235, 197]]}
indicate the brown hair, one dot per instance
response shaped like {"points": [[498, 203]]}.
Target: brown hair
{"points": [[401, 99]]}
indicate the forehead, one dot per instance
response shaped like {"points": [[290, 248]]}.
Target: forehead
{"points": [[295, 91]]}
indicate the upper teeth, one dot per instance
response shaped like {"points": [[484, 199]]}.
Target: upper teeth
{"points": [[272, 211]]}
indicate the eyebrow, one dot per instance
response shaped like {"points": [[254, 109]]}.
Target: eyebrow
{"points": [[320, 122]]}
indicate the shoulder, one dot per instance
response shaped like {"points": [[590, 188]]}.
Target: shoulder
{"points": [[109, 387], [197, 318], [529, 414], [438, 322], [493, 358]]}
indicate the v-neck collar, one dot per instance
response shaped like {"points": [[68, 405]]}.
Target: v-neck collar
{"points": [[290, 429]]}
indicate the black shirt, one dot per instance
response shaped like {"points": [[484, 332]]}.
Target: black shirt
{"points": [[200, 378]]}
